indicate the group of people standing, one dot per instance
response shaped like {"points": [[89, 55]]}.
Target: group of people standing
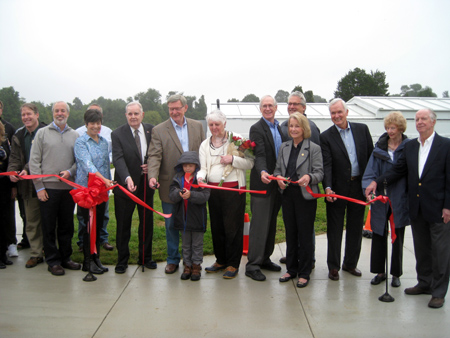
{"points": [[175, 158]]}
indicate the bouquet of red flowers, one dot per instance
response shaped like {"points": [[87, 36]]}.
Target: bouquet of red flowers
{"points": [[243, 145]]}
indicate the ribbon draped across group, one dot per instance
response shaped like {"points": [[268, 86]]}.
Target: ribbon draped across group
{"points": [[95, 194], [383, 199]]}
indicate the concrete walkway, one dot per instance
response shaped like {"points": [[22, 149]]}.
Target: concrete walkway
{"points": [[33, 303]]}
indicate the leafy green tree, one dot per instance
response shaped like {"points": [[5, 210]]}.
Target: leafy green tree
{"points": [[358, 83], [416, 90], [319, 99], [11, 105], [250, 98], [152, 117], [45, 112], [309, 96], [77, 104], [282, 96], [150, 100], [233, 100], [297, 89]]}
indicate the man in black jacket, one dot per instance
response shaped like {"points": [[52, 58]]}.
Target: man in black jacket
{"points": [[346, 148], [267, 135]]}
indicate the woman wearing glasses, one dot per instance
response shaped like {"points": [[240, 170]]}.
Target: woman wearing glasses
{"points": [[226, 208]]}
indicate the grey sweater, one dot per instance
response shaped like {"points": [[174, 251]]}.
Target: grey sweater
{"points": [[51, 153]]}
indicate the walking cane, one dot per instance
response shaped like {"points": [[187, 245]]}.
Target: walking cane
{"points": [[89, 277], [143, 230], [386, 297]]}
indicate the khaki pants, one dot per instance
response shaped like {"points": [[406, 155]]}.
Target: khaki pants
{"points": [[34, 226]]}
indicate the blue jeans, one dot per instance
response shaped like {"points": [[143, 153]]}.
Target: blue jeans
{"points": [[103, 231], [172, 236]]}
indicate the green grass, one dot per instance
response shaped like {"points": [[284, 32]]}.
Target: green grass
{"points": [[159, 234]]}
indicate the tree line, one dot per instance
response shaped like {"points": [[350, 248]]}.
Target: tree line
{"points": [[356, 82]]}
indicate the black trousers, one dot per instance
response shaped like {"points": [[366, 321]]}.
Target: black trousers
{"points": [[378, 253], [124, 209], [337, 211], [226, 214], [432, 251], [298, 216], [57, 226], [100, 213]]}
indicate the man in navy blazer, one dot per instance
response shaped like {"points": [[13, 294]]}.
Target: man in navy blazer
{"points": [[130, 169], [267, 135], [426, 163], [346, 148]]}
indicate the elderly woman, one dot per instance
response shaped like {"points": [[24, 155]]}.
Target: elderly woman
{"points": [[299, 160], [226, 208], [92, 155], [386, 153]]}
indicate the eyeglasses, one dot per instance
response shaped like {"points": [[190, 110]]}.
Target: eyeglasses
{"points": [[295, 104], [177, 109]]}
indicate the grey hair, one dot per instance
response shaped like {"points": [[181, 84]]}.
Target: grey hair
{"points": [[96, 105], [216, 115], [134, 103], [176, 98], [67, 106], [433, 116], [265, 97], [334, 101], [300, 96]]}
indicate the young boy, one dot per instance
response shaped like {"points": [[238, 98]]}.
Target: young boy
{"points": [[189, 213]]}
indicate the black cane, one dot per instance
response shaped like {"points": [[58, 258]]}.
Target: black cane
{"points": [[386, 297], [89, 277]]}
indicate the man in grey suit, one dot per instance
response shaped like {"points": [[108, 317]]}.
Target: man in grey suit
{"points": [[267, 135], [169, 140], [426, 163]]}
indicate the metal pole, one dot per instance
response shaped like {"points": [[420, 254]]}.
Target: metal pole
{"points": [[386, 297]]}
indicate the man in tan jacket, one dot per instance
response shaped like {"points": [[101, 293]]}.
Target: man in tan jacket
{"points": [[169, 140]]}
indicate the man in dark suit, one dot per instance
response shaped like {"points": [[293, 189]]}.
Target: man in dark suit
{"points": [[129, 148], [426, 162], [346, 148], [267, 135]]}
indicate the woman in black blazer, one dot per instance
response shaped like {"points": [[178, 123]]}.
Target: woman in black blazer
{"points": [[299, 160]]}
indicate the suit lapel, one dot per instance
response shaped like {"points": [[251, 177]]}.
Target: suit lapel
{"points": [[434, 151], [285, 152], [268, 135], [129, 139], [415, 158], [336, 137], [304, 153], [173, 134]]}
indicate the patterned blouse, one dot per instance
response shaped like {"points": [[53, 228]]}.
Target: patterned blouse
{"points": [[91, 157]]}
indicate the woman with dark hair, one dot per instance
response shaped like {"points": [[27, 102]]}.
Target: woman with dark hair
{"points": [[91, 153], [300, 160], [385, 154], [7, 192]]}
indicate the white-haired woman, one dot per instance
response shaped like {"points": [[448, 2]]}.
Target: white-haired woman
{"points": [[226, 208]]}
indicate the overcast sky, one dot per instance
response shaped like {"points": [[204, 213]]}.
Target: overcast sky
{"points": [[59, 50]]}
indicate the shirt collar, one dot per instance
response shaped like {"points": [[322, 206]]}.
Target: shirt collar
{"points": [[58, 128], [429, 140], [274, 124], [141, 129], [339, 128], [175, 125]]}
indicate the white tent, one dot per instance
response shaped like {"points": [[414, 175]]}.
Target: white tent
{"points": [[369, 110]]}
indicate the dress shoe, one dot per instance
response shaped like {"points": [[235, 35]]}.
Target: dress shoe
{"points": [[2, 265], [23, 245], [416, 290], [302, 284], [256, 275], [215, 267], [230, 273], [378, 279], [107, 246], [333, 274], [186, 273], [56, 270], [121, 268], [285, 278], [354, 271], [99, 263], [196, 274], [71, 265], [92, 267], [171, 268], [395, 282], [436, 303], [271, 267], [283, 260], [33, 261], [151, 265]]}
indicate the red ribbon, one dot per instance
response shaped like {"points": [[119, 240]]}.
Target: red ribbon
{"points": [[383, 199], [203, 185]]}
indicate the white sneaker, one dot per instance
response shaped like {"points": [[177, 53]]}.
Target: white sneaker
{"points": [[12, 251]]}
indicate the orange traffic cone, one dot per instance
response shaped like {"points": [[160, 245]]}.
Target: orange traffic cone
{"points": [[367, 230], [246, 233]]}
